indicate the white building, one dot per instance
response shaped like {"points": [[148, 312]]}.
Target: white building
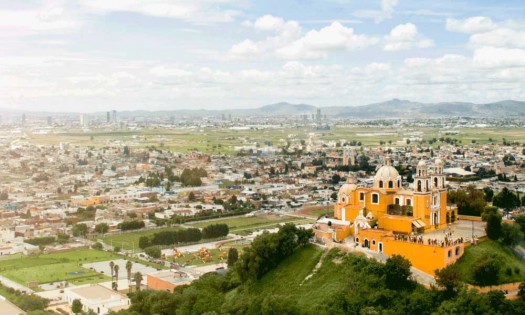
{"points": [[97, 298]]}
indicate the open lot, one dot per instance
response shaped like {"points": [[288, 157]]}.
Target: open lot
{"points": [[65, 266]]}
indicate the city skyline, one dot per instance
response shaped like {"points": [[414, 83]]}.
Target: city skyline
{"points": [[85, 56]]}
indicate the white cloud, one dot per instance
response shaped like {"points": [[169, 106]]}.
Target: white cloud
{"points": [[246, 48], [46, 20], [164, 71], [492, 57], [472, 25], [500, 37], [404, 37], [288, 43], [198, 11], [386, 12], [316, 44]]}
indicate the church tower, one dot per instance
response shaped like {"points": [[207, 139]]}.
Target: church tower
{"points": [[421, 180]]}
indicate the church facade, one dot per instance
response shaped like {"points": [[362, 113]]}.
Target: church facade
{"points": [[392, 219]]}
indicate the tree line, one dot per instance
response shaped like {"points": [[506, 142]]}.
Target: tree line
{"points": [[183, 236]]}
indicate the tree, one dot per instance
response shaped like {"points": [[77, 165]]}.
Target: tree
{"points": [[511, 234], [506, 199], [508, 159], [449, 278], [97, 246], [486, 271], [144, 242], [489, 194], [397, 272], [116, 268], [336, 179], [520, 220], [137, 277], [80, 229], [76, 306], [129, 265], [493, 227], [153, 251], [233, 256], [102, 228], [111, 266], [521, 290], [191, 196]]}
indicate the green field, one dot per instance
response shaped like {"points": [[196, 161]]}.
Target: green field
{"points": [[486, 248], [213, 140], [244, 224], [130, 240], [46, 268]]}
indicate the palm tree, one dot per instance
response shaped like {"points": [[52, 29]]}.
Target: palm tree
{"points": [[129, 265], [111, 265], [114, 285], [138, 279], [116, 268]]}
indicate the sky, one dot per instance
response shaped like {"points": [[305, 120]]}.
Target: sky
{"points": [[100, 55]]}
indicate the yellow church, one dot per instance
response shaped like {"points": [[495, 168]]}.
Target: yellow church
{"points": [[391, 219]]}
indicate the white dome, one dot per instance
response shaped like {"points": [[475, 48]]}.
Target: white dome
{"points": [[387, 173], [422, 163], [438, 162], [347, 189]]}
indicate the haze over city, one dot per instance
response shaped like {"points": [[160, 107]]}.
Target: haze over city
{"points": [[86, 56]]}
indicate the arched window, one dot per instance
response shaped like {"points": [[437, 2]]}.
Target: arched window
{"points": [[390, 184], [418, 185], [380, 184], [396, 201], [398, 183], [409, 202], [375, 198], [435, 182]]}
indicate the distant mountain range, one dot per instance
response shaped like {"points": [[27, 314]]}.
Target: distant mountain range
{"points": [[402, 109], [394, 108]]}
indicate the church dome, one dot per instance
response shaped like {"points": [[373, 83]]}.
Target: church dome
{"points": [[422, 163], [387, 173], [438, 162], [348, 187]]}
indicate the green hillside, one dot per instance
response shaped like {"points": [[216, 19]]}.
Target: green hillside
{"points": [[310, 280], [511, 268]]}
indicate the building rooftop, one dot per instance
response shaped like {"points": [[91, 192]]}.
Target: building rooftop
{"points": [[175, 277], [95, 292], [8, 308]]}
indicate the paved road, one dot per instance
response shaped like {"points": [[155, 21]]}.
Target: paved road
{"points": [[11, 284]]}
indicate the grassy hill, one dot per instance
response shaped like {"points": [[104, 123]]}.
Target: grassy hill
{"points": [[512, 268]]}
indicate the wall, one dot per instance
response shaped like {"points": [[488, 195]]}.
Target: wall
{"points": [[155, 283]]}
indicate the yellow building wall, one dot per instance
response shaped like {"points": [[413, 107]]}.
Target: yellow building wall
{"points": [[423, 257], [391, 223]]}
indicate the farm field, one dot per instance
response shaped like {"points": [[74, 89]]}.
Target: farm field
{"points": [[46, 268], [215, 140]]}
